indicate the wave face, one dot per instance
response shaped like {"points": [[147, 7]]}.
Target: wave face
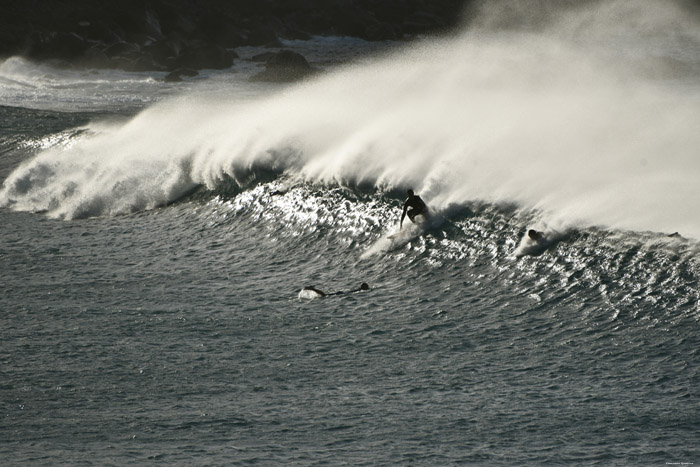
{"points": [[594, 126]]}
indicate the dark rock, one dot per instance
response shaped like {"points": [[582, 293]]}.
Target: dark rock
{"points": [[145, 62], [176, 75], [382, 32], [60, 64], [262, 35], [139, 38], [285, 66], [82, 30], [95, 57], [218, 29], [173, 19], [288, 59], [292, 31], [122, 49], [152, 24], [12, 40], [392, 11], [57, 45], [99, 31], [165, 51], [421, 21], [229, 37], [205, 56], [130, 57], [353, 21], [263, 57]]}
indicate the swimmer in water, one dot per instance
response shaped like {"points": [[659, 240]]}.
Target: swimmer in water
{"points": [[363, 286]]}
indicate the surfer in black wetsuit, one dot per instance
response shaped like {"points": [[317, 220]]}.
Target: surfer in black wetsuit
{"points": [[413, 206], [534, 235], [362, 287]]}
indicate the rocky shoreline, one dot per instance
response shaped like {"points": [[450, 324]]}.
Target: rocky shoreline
{"points": [[182, 36]]}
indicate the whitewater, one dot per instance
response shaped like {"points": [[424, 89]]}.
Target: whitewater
{"points": [[156, 238], [562, 125]]}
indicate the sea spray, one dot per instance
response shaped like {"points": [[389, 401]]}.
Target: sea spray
{"points": [[574, 125]]}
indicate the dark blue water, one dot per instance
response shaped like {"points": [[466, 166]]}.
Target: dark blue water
{"points": [[151, 312]]}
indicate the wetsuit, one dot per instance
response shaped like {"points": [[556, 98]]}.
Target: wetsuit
{"points": [[413, 206]]}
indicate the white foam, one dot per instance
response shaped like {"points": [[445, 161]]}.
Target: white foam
{"points": [[568, 123]]}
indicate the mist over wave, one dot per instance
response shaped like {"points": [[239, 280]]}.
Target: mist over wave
{"points": [[589, 116]]}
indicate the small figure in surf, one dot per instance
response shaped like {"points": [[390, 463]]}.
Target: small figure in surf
{"points": [[535, 235], [677, 236], [413, 206], [535, 243], [363, 286]]}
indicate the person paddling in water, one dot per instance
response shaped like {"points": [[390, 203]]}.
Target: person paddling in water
{"points": [[413, 206], [362, 287]]}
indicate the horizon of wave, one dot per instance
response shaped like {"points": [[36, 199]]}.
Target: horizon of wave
{"points": [[556, 124]]}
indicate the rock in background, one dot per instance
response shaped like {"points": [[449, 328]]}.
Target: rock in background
{"points": [[167, 35]]}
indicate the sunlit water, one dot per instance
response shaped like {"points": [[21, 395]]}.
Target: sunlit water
{"points": [[155, 238]]}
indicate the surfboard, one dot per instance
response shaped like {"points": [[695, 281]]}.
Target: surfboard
{"points": [[398, 237], [308, 294]]}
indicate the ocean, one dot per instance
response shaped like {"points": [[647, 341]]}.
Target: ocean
{"points": [[156, 238]]}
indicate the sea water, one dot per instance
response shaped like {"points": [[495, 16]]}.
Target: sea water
{"points": [[156, 236]]}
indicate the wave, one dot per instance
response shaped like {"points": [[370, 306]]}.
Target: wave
{"points": [[574, 127], [622, 275], [28, 84]]}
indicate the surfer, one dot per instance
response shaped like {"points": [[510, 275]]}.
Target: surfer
{"points": [[363, 286], [534, 235], [413, 206]]}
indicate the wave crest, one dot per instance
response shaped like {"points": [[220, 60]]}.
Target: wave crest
{"points": [[569, 128]]}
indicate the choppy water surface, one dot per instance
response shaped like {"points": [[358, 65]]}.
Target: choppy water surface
{"points": [[151, 263], [177, 335]]}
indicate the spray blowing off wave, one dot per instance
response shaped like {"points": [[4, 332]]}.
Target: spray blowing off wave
{"points": [[573, 130]]}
